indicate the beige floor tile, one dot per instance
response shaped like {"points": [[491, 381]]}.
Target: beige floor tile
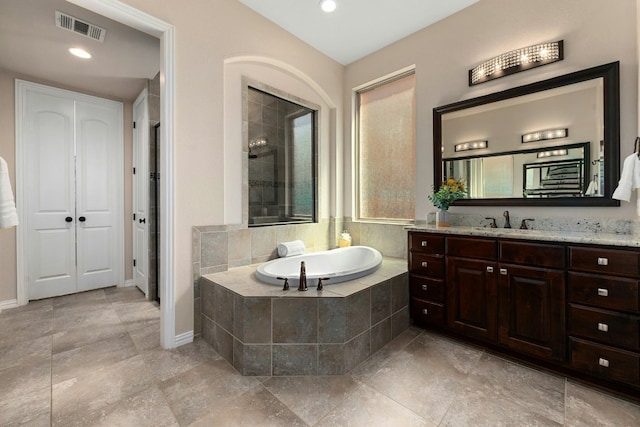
{"points": [[256, 407], [588, 407], [166, 364], [145, 408], [87, 359], [147, 338], [84, 319], [205, 389], [367, 408], [12, 333], [427, 375], [376, 361], [22, 380], [81, 336], [99, 389], [530, 391], [117, 295], [25, 352], [27, 409], [311, 398]]}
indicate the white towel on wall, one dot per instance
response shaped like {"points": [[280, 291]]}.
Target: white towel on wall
{"points": [[629, 180], [295, 247], [8, 214]]}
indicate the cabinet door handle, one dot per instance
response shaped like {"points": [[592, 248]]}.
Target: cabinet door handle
{"points": [[423, 243], [603, 292], [489, 269], [425, 264], [603, 327], [425, 287], [603, 261], [503, 271], [603, 362], [425, 311]]}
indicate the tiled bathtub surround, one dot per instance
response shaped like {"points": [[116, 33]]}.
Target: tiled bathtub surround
{"points": [[217, 248], [265, 331]]}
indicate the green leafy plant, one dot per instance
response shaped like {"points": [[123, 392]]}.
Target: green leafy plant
{"points": [[449, 191]]}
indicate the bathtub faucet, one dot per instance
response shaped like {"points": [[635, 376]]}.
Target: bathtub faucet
{"points": [[303, 277]]}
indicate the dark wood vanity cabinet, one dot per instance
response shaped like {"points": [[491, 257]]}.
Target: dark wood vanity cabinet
{"points": [[576, 307], [604, 313]]}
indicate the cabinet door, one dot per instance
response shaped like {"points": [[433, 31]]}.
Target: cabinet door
{"points": [[531, 310], [471, 297]]}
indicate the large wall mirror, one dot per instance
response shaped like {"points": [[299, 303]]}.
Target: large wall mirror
{"points": [[551, 143]]}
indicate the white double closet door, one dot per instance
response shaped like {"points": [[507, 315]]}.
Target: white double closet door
{"points": [[72, 158]]}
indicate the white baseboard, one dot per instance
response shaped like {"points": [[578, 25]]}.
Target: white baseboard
{"points": [[13, 303], [183, 339]]}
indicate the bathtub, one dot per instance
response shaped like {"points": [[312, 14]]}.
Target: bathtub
{"points": [[339, 265]]}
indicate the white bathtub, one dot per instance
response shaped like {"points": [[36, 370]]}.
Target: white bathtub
{"points": [[339, 265]]}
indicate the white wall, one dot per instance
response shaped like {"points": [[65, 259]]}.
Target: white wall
{"points": [[594, 33]]}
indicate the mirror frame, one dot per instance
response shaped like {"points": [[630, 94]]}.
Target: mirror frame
{"points": [[610, 73]]}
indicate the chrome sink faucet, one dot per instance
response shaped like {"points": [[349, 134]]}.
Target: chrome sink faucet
{"points": [[507, 224]]}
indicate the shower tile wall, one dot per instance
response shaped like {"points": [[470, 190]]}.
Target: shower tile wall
{"points": [[153, 101]]}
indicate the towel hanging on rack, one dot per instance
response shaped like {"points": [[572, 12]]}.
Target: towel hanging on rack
{"points": [[630, 177], [8, 214]]}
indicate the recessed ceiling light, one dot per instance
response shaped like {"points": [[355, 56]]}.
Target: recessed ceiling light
{"points": [[80, 53], [328, 5]]}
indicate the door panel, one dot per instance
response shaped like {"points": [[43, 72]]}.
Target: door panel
{"points": [[50, 195], [96, 168], [141, 193]]}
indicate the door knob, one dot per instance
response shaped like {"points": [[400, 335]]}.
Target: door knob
{"points": [[68, 219], [82, 219], [143, 220]]}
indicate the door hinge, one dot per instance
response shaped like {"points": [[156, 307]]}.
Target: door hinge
{"points": [[134, 262], [134, 125]]}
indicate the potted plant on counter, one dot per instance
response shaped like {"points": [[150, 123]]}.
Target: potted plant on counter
{"points": [[448, 192]]}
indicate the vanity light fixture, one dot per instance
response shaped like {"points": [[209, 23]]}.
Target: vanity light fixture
{"points": [[473, 145], [543, 135], [516, 61], [256, 143], [80, 53], [560, 152], [328, 5]]}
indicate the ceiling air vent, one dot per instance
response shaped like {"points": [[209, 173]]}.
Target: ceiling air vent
{"points": [[70, 23]]}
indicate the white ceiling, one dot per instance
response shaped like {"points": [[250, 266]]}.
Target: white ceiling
{"points": [[357, 27], [31, 44]]}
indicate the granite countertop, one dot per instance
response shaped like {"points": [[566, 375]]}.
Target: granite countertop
{"points": [[593, 238]]}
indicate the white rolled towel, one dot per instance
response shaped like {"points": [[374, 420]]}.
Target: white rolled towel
{"points": [[295, 247]]}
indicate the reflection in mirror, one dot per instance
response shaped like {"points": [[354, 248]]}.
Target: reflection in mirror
{"points": [[559, 171], [508, 146], [281, 148]]}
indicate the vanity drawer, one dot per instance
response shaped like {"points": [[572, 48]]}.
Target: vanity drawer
{"points": [[424, 312], [604, 291], [605, 362], [429, 289], [427, 265], [471, 247], [426, 243], [605, 326], [611, 261], [538, 254]]}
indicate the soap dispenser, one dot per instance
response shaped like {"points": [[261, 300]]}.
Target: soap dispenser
{"points": [[345, 239]]}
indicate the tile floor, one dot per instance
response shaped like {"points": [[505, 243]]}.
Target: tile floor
{"points": [[94, 359]]}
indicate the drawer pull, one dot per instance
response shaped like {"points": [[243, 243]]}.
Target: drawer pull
{"points": [[425, 287], [603, 362], [423, 243], [425, 264], [603, 292], [603, 327], [425, 311], [503, 271], [603, 261], [489, 269]]}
